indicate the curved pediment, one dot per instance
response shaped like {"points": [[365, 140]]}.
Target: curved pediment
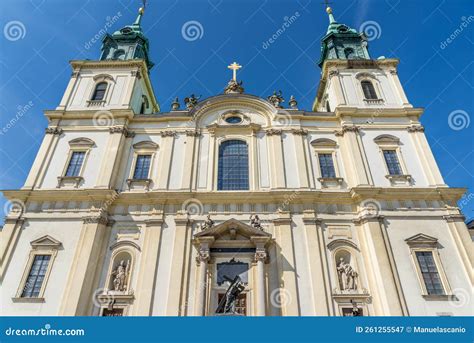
{"points": [[210, 110], [82, 142]]}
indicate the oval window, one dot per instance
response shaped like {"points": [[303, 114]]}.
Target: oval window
{"points": [[233, 120]]}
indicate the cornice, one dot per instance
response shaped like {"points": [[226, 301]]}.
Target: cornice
{"points": [[87, 113]]}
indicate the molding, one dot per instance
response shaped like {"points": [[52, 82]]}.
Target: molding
{"points": [[342, 243], [123, 130], [82, 142], [416, 128], [47, 242], [347, 128], [421, 239], [124, 243], [272, 132], [455, 218], [145, 145], [324, 143]]}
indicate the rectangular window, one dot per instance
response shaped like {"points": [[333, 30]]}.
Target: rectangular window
{"points": [[75, 163], [429, 272], [326, 165], [142, 167], [393, 164], [36, 276]]}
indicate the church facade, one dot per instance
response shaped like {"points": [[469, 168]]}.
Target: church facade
{"points": [[339, 210]]}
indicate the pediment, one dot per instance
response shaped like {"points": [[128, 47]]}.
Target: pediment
{"points": [[421, 239], [46, 242], [234, 230], [145, 145], [82, 142], [386, 139]]}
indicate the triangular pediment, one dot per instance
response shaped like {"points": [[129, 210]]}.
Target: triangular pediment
{"points": [[232, 229], [421, 239], [46, 242]]}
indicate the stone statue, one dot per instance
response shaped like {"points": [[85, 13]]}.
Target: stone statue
{"points": [[120, 276], [276, 99], [255, 222], [234, 87], [347, 276], [227, 303], [208, 223], [191, 101]]}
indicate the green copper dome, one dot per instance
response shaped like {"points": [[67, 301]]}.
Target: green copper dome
{"points": [[342, 42], [128, 43]]}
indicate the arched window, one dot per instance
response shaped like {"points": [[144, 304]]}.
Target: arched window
{"points": [[369, 90], [233, 166], [144, 105], [99, 92], [350, 54]]}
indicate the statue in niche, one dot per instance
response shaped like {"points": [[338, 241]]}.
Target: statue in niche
{"points": [[347, 276], [208, 223], [120, 276], [255, 222]]}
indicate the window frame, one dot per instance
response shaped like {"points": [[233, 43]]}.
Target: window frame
{"points": [[425, 243], [366, 81], [389, 142], [249, 161], [364, 76], [384, 150], [332, 154], [327, 146], [69, 160], [136, 157], [109, 80], [45, 245], [143, 148], [94, 91]]}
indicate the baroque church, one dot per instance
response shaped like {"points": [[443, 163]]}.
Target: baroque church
{"points": [[340, 210]]}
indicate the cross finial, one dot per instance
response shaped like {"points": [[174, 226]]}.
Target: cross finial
{"points": [[234, 67]]}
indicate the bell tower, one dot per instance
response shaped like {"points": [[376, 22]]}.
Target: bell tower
{"points": [[128, 43], [350, 77]]}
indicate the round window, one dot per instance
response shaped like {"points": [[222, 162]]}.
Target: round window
{"points": [[233, 120]]}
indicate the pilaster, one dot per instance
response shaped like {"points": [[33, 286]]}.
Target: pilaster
{"points": [[148, 266], [87, 262], [9, 235], [286, 264]]}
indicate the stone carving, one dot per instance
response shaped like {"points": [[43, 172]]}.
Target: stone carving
{"points": [[175, 104], [255, 222], [347, 276], [234, 87], [261, 256], [192, 133], [204, 255], [209, 223], [301, 132], [123, 130], [168, 133], [120, 275], [416, 128], [271, 132], [227, 304], [347, 128], [53, 131], [191, 101], [276, 99], [293, 103]]}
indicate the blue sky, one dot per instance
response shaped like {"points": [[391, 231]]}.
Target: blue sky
{"points": [[39, 37]]}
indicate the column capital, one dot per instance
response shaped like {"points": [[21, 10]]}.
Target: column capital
{"points": [[368, 218], [54, 131], [454, 218], [204, 255], [284, 217], [261, 256]]}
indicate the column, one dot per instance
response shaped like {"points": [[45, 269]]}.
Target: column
{"points": [[148, 265], [202, 259], [87, 263], [319, 280], [382, 274], [181, 243], [9, 237], [286, 264], [261, 257]]}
